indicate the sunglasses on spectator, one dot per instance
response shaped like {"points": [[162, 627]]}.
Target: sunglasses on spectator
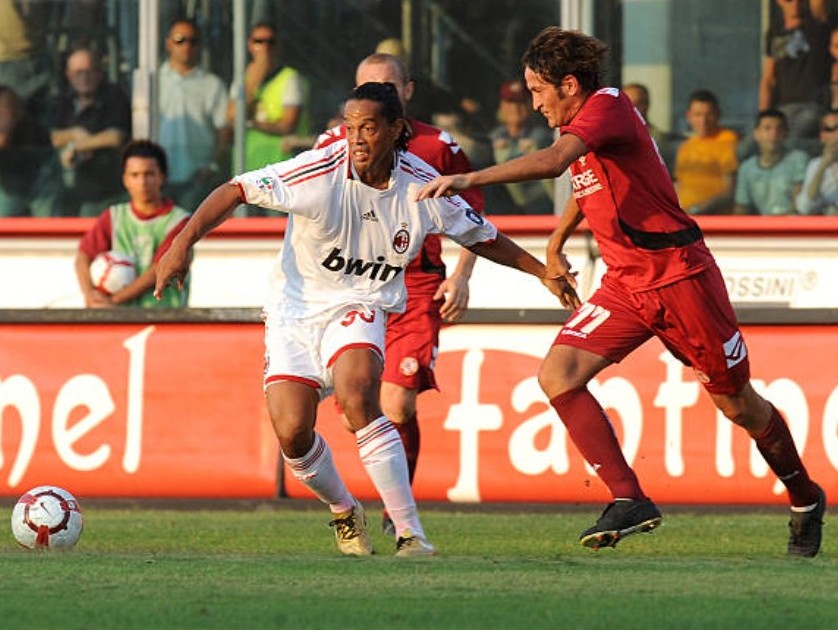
{"points": [[270, 41], [829, 127], [180, 40]]}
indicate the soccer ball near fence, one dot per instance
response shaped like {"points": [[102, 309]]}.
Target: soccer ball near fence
{"points": [[47, 517], [112, 271]]}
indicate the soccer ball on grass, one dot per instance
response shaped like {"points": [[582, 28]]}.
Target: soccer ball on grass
{"points": [[47, 517], [112, 271]]}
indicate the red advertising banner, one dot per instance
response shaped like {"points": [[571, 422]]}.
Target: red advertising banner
{"points": [[119, 410], [490, 434], [176, 410]]}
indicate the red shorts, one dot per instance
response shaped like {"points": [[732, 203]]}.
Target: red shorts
{"points": [[692, 317], [411, 344]]}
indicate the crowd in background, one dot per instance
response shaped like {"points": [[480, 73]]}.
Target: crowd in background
{"points": [[62, 131]]}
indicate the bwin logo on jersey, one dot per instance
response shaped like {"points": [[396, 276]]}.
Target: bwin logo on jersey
{"points": [[378, 270]]}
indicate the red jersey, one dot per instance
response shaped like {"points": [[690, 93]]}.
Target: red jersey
{"points": [[625, 192], [436, 147]]}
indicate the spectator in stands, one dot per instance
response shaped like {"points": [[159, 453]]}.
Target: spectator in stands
{"points": [[141, 228], [796, 67], [30, 175], [833, 73], [24, 63], [819, 194], [519, 133], [193, 115], [768, 182], [667, 142], [705, 165], [275, 95], [90, 122]]}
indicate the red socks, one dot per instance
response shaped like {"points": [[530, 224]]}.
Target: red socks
{"points": [[593, 435], [409, 432], [780, 452]]}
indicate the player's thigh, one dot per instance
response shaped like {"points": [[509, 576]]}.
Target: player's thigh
{"points": [[412, 345], [353, 345], [698, 325], [602, 330], [292, 353]]}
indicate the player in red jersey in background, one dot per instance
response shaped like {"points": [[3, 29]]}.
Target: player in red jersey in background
{"points": [[661, 281], [413, 336]]}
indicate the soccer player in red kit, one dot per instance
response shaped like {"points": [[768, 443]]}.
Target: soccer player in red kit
{"points": [[661, 281], [413, 336]]}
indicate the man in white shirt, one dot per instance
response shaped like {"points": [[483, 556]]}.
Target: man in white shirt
{"points": [[354, 224], [193, 117]]}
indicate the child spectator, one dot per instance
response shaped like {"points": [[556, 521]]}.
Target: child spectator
{"points": [[142, 228]]}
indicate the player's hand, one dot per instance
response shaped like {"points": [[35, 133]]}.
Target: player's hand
{"points": [[562, 289], [456, 293], [172, 267], [444, 186], [560, 279]]}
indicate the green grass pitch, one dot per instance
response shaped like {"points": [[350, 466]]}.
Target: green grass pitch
{"points": [[274, 565]]}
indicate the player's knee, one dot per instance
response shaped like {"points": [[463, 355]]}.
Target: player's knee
{"points": [[554, 379], [359, 406], [295, 442]]}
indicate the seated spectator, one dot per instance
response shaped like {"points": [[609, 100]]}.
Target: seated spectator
{"points": [[639, 95], [819, 193], [519, 133], [30, 175], [90, 121], [705, 164], [768, 182], [796, 67], [833, 69], [193, 117], [142, 228], [24, 61]]}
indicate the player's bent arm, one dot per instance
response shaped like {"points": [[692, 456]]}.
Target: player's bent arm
{"points": [[545, 163], [214, 210], [504, 251], [455, 287]]}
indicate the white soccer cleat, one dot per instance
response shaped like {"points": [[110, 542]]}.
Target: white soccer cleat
{"points": [[410, 546], [351, 532]]}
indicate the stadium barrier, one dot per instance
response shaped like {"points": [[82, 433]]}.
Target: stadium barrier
{"points": [[139, 404], [169, 404]]}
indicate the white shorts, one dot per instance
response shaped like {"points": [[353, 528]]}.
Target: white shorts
{"points": [[305, 352]]}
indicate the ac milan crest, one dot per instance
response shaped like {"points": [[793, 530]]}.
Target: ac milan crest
{"points": [[401, 241]]}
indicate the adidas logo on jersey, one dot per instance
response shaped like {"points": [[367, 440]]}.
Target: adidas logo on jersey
{"points": [[378, 270], [370, 216]]}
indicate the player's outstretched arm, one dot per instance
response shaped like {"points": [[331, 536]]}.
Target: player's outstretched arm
{"points": [[506, 252], [174, 264], [545, 163]]}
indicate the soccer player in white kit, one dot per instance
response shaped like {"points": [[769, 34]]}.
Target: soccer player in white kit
{"points": [[354, 224]]}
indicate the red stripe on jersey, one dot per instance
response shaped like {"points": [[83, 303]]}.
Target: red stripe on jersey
{"points": [[307, 165], [318, 173], [313, 168]]}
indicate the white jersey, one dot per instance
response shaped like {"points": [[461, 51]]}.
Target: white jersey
{"points": [[348, 243]]}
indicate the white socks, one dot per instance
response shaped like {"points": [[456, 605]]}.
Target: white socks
{"points": [[382, 453], [316, 470]]}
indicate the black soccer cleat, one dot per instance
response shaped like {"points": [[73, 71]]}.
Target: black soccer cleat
{"points": [[805, 529], [621, 519]]}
